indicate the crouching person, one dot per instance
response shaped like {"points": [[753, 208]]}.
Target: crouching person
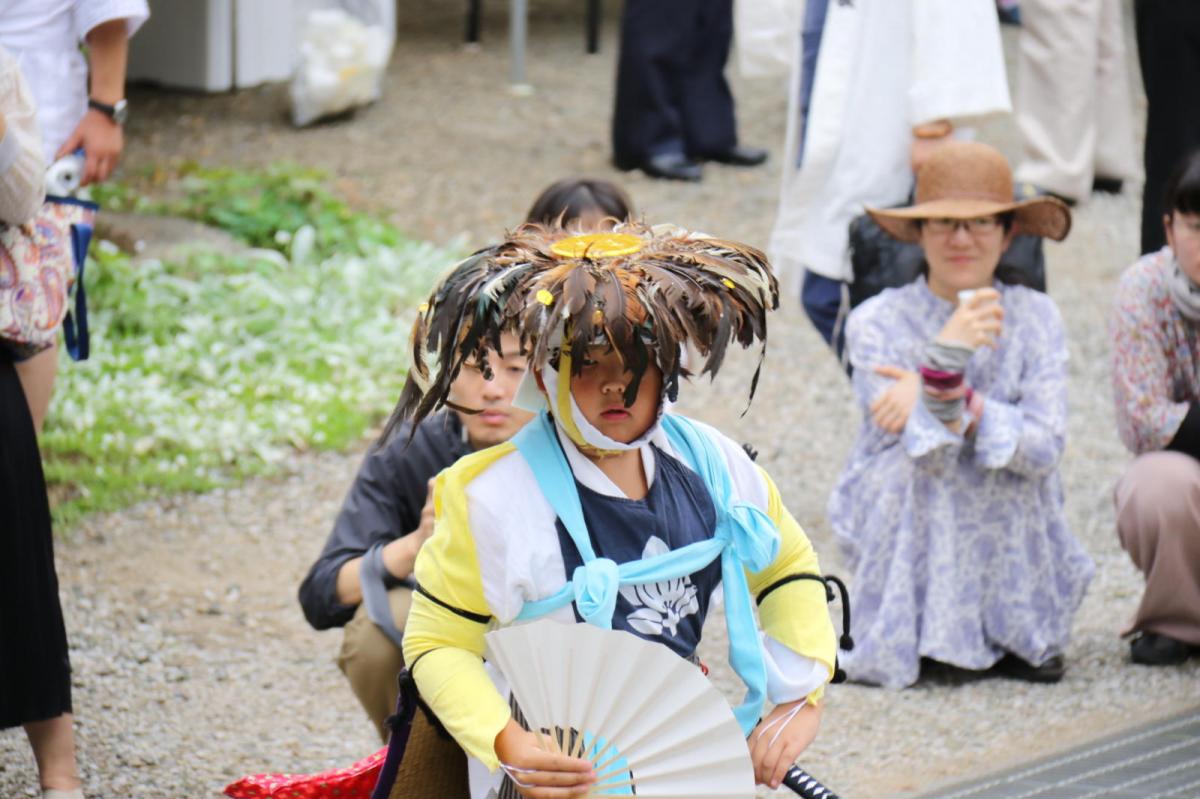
{"points": [[1156, 380], [363, 579]]}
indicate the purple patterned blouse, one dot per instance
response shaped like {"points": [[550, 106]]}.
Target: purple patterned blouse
{"points": [[959, 546]]}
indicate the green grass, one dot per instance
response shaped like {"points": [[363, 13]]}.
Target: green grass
{"points": [[211, 368]]}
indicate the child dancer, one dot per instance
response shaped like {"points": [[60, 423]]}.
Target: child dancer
{"points": [[601, 480]]}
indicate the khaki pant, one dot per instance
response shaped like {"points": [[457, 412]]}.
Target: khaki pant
{"points": [[371, 662], [1073, 103], [1158, 520]]}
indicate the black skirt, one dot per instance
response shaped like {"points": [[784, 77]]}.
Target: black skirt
{"points": [[35, 673]]}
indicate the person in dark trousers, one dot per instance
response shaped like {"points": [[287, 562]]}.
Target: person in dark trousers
{"points": [[1168, 37], [674, 108], [35, 665]]}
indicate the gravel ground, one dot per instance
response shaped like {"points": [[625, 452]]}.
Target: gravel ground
{"points": [[193, 664]]}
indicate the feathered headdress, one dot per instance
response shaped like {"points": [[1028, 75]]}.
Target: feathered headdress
{"points": [[646, 292]]}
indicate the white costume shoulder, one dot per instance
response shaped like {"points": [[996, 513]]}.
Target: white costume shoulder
{"points": [[749, 485], [516, 540]]}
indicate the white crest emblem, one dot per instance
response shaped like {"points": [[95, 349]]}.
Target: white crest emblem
{"points": [[662, 605]]}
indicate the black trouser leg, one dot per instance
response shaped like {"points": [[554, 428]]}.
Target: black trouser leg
{"points": [[709, 126], [1168, 35], [671, 92]]}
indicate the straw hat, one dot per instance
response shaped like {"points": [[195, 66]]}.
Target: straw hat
{"points": [[966, 180]]}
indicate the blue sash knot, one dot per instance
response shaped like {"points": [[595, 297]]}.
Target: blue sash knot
{"points": [[595, 586]]}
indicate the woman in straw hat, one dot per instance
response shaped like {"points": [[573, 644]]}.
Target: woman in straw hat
{"points": [[950, 508]]}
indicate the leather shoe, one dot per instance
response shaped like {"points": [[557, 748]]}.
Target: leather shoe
{"points": [[1152, 649], [738, 155], [669, 166], [1051, 671]]}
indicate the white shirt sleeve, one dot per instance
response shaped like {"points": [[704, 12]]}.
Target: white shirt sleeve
{"points": [[791, 676], [957, 61], [90, 13]]}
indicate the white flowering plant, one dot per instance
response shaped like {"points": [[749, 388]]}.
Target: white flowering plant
{"points": [[211, 367]]}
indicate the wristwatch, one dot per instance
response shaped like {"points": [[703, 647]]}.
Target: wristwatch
{"points": [[118, 112]]}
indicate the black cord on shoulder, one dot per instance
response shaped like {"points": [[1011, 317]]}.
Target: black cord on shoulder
{"points": [[791, 578], [466, 614], [846, 641]]}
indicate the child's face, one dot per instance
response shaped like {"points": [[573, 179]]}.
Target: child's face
{"points": [[599, 391]]}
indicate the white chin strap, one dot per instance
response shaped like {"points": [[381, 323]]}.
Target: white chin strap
{"points": [[529, 397]]}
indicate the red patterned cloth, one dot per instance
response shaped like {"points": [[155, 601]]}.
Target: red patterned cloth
{"points": [[353, 782]]}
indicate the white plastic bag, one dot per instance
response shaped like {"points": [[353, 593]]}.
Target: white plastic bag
{"points": [[342, 55]]}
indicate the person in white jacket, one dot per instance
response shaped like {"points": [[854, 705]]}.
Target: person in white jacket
{"points": [[891, 80], [80, 104]]}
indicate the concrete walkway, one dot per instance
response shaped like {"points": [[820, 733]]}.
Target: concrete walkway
{"points": [[1161, 759]]}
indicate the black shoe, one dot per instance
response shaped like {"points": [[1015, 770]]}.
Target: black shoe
{"points": [[738, 155], [1152, 649], [1107, 185], [670, 166], [1010, 16], [1051, 671]]}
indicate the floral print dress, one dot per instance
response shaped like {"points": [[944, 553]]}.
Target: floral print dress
{"points": [[959, 546], [1156, 356]]}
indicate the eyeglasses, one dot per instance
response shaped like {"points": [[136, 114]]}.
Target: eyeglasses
{"points": [[976, 227]]}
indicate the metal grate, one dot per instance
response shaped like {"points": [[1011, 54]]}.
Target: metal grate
{"points": [[1161, 759]]}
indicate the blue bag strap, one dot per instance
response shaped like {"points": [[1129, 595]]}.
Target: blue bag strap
{"points": [[75, 324]]}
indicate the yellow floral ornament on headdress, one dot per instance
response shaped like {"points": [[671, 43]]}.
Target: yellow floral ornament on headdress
{"points": [[597, 245]]}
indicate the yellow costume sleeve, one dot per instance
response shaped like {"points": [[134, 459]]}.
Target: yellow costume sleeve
{"points": [[795, 614], [450, 673]]}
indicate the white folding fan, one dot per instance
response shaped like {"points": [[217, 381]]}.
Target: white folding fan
{"points": [[650, 722]]}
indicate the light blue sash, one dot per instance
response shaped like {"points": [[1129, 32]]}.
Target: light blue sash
{"points": [[745, 538]]}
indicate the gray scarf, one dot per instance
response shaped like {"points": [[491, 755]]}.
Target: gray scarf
{"points": [[1184, 293]]}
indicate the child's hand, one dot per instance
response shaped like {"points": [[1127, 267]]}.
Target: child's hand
{"points": [[780, 738], [537, 773]]}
